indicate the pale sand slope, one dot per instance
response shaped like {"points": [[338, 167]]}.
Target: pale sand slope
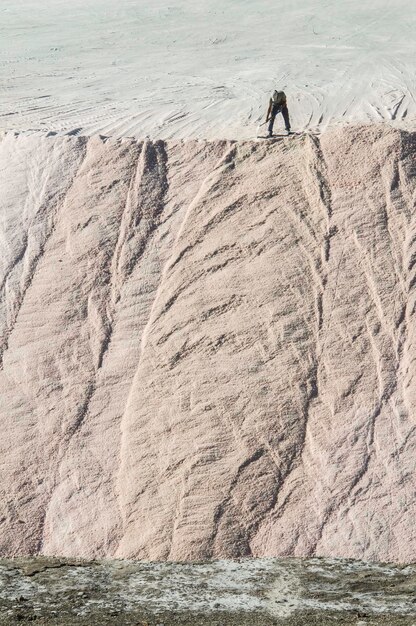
{"points": [[180, 69], [207, 349]]}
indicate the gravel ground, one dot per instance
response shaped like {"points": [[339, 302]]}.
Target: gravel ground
{"points": [[222, 593]]}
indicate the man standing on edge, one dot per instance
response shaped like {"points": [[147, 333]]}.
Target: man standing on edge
{"points": [[277, 105]]}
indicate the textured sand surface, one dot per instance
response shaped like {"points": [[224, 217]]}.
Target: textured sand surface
{"points": [[207, 349], [181, 69]]}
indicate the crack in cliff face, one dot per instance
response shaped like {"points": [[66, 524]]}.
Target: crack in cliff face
{"points": [[141, 216], [110, 295], [319, 171], [143, 208]]}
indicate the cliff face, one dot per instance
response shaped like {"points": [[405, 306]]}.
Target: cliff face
{"points": [[208, 349]]}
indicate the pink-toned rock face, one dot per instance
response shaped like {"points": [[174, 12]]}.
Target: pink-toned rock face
{"points": [[208, 349]]}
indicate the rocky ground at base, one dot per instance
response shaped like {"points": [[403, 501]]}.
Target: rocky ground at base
{"points": [[248, 592]]}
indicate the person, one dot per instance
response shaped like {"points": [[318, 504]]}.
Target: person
{"points": [[277, 104]]}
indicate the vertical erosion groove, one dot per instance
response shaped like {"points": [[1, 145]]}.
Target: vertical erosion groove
{"points": [[208, 183], [48, 213]]}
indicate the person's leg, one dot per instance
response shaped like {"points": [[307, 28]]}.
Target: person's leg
{"points": [[271, 122], [273, 114], [285, 113]]}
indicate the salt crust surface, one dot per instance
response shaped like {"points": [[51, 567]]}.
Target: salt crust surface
{"points": [[207, 348], [180, 69], [256, 588]]}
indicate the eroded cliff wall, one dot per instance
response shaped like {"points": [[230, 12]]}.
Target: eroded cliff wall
{"points": [[208, 349]]}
